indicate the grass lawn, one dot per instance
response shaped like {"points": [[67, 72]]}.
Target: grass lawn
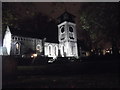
{"points": [[72, 75], [104, 80]]}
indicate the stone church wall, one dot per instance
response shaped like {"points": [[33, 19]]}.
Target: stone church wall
{"points": [[25, 45], [51, 49]]}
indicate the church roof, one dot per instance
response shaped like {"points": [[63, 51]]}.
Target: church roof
{"points": [[65, 17], [51, 35], [38, 35], [24, 33]]}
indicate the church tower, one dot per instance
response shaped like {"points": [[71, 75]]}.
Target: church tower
{"points": [[67, 35]]}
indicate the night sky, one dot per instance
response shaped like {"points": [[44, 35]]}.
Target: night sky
{"points": [[39, 18]]}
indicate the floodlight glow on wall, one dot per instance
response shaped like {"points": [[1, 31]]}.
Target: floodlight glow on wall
{"points": [[7, 41]]}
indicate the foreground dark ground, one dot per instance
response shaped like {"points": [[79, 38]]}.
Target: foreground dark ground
{"points": [[92, 72]]}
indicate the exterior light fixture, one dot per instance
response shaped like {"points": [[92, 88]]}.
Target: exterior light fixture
{"points": [[108, 51], [31, 56], [91, 50], [34, 55]]}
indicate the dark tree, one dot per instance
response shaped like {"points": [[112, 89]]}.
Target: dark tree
{"points": [[24, 16], [13, 12], [100, 21]]}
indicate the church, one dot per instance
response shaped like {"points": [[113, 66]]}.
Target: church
{"points": [[14, 44]]}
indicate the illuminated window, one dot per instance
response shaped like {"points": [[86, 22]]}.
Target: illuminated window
{"points": [[49, 50], [63, 50], [17, 50], [38, 47], [73, 50], [55, 51], [17, 46]]}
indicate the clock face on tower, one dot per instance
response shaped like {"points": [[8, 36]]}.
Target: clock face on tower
{"points": [[71, 36], [70, 29], [62, 30]]}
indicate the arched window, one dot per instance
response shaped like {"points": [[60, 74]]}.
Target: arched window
{"points": [[50, 50], [17, 48], [38, 48], [55, 51], [72, 50], [63, 51]]}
